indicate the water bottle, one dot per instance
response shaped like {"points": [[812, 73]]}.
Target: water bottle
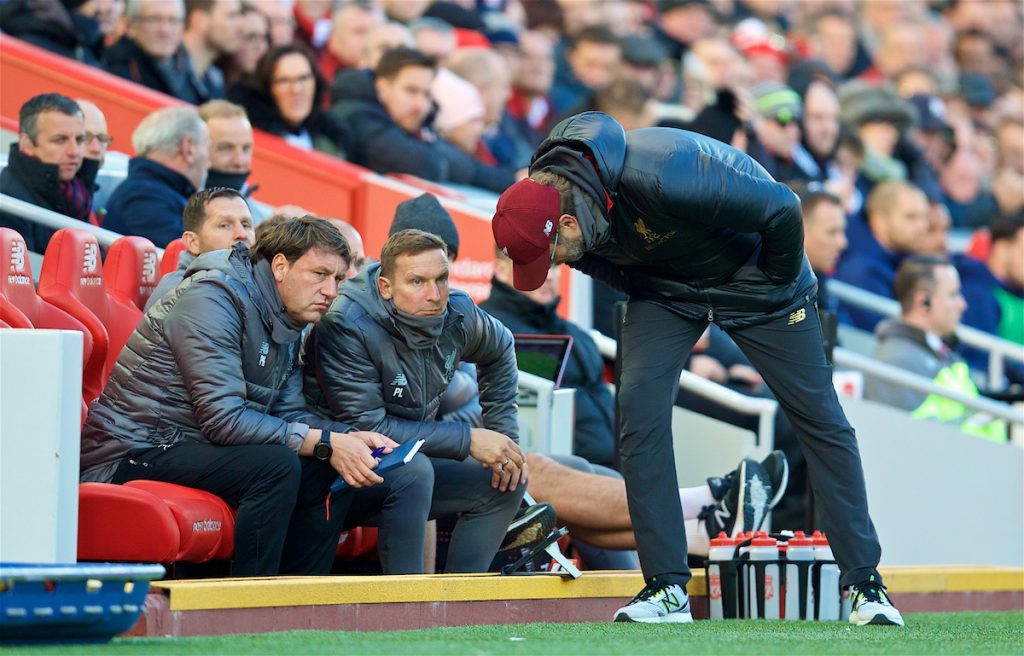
{"points": [[799, 549], [722, 549], [828, 590], [764, 595], [847, 604]]}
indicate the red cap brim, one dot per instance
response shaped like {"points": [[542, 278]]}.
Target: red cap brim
{"points": [[531, 275]]}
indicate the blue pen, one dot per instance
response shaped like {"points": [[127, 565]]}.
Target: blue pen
{"points": [[378, 452]]}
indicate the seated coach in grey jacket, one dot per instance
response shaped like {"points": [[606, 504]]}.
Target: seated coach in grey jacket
{"points": [[382, 358], [208, 394]]}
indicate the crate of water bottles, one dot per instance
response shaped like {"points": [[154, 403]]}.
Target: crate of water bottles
{"points": [[787, 576]]}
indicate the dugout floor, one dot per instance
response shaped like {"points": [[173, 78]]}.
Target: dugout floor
{"points": [[370, 603]]}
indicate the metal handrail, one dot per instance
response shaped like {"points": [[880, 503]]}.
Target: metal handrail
{"points": [[997, 348], [57, 221], [892, 374], [765, 409]]}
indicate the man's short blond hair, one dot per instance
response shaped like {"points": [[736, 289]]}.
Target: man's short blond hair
{"points": [[221, 109]]}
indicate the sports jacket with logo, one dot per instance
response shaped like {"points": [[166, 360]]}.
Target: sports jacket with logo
{"points": [[202, 365], [683, 218], [361, 369]]}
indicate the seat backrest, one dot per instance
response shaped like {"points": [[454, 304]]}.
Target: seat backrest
{"points": [[169, 262], [72, 279], [21, 307], [130, 270]]}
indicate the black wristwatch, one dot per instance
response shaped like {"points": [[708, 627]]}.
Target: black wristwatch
{"points": [[323, 449]]}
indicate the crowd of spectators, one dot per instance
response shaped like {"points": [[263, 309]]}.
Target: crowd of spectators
{"points": [[896, 120]]}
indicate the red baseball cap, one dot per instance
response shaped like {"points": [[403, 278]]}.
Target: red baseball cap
{"points": [[524, 226]]}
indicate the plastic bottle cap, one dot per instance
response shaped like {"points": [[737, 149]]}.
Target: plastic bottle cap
{"points": [[724, 540], [760, 534], [763, 541], [801, 541]]}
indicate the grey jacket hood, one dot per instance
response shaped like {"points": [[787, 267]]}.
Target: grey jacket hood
{"points": [[236, 264], [363, 291]]}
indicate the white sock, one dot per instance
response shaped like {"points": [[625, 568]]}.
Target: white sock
{"points": [[697, 541], [694, 499]]}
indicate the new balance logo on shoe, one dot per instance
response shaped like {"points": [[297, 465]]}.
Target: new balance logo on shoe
{"points": [[671, 603]]}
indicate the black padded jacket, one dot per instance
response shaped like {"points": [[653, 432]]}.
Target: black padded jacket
{"points": [[684, 219]]}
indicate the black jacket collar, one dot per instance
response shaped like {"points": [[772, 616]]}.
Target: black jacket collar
{"points": [[44, 179]]}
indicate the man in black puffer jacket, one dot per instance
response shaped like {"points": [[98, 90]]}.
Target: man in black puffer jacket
{"points": [[208, 393], [382, 358], [695, 232]]}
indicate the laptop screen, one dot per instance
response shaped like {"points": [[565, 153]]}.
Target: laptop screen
{"points": [[543, 355]]}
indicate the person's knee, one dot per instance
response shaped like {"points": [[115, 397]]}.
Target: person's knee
{"points": [[539, 465], [278, 466], [415, 479]]}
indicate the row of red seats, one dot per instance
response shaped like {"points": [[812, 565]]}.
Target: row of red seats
{"points": [[142, 521]]}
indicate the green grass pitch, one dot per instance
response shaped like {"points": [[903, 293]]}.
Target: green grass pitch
{"points": [[925, 633]]}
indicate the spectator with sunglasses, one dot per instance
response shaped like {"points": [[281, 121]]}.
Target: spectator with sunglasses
{"points": [[777, 125]]}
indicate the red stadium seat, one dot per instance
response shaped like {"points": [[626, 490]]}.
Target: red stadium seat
{"points": [[150, 521], [169, 262], [118, 523], [72, 279], [3, 324], [21, 307], [357, 542], [130, 270], [205, 521]]}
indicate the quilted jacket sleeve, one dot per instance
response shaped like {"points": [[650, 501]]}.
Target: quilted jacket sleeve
{"points": [[491, 347], [204, 332]]}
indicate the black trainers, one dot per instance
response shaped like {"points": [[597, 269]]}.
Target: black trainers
{"points": [[777, 468], [531, 525], [657, 603], [744, 505], [871, 605]]}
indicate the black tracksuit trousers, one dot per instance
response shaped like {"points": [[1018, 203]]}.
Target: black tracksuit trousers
{"points": [[788, 352], [282, 524]]}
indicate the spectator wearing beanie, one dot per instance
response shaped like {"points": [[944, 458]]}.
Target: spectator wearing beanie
{"points": [[778, 130], [460, 111]]}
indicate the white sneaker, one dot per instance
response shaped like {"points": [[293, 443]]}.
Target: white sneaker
{"points": [[657, 604], [871, 605]]}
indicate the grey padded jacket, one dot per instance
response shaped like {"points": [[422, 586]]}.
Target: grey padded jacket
{"points": [[203, 365], [361, 369]]}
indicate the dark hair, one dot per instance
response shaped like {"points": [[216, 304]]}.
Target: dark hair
{"points": [[294, 237], [408, 242], [544, 13], [264, 74], [198, 5], [594, 34], [195, 212], [916, 272], [266, 224], [623, 95], [1005, 228], [393, 61], [813, 196], [850, 139], [28, 116]]}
